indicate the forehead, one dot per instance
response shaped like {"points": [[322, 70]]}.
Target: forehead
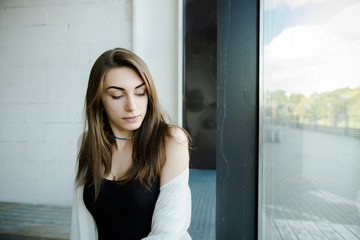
{"points": [[124, 77]]}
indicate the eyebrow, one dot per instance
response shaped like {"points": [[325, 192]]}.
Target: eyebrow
{"points": [[122, 89]]}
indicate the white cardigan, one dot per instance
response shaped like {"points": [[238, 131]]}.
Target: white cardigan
{"points": [[171, 217]]}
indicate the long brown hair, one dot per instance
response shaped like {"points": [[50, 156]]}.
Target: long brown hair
{"points": [[94, 158]]}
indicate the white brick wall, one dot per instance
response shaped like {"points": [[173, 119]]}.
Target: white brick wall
{"points": [[46, 51]]}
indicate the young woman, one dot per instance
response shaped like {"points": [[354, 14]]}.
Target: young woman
{"points": [[132, 176]]}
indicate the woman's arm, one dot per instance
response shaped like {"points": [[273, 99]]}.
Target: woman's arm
{"points": [[172, 213], [177, 155]]}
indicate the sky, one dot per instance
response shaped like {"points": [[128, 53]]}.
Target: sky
{"points": [[311, 45]]}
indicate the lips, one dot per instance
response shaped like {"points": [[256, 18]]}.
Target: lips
{"points": [[131, 119]]}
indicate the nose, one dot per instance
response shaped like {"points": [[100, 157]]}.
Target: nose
{"points": [[130, 103]]}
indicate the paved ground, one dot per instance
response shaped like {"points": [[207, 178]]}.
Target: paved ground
{"points": [[312, 184], [35, 222]]}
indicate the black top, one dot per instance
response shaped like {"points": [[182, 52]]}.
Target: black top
{"points": [[122, 211]]}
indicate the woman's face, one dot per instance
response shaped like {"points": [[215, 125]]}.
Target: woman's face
{"points": [[125, 100]]}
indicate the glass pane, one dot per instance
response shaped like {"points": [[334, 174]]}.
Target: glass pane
{"points": [[309, 120]]}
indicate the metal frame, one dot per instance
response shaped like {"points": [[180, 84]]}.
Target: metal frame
{"points": [[237, 120]]}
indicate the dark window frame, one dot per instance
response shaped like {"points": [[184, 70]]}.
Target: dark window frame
{"points": [[237, 120]]}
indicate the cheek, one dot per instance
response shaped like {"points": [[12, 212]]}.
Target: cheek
{"points": [[111, 109]]}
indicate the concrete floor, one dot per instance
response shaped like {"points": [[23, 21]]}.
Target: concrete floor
{"points": [[311, 184]]}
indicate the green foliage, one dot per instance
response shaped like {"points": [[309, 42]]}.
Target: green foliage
{"points": [[340, 107]]}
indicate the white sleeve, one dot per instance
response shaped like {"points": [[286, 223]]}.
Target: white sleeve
{"points": [[172, 213], [83, 226]]}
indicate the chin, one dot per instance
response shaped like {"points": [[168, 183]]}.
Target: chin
{"points": [[133, 127]]}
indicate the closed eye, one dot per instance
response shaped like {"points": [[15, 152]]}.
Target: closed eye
{"points": [[116, 97], [140, 94]]}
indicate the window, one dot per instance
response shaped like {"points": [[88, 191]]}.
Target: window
{"points": [[309, 145]]}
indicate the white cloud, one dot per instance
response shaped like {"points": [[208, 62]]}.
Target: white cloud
{"points": [[317, 58], [272, 4], [299, 3], [346, 23]]}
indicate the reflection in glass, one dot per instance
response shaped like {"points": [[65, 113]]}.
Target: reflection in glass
{"points": [[309, 120], [200, 80]]}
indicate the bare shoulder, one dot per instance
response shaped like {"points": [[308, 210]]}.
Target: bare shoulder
{"points": [[177, 155], [178, 135]]}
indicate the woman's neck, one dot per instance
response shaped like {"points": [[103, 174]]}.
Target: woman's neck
{"points": [[122, 145]]}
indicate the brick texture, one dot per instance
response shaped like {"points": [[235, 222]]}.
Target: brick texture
{"points": [[47, 49]]}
